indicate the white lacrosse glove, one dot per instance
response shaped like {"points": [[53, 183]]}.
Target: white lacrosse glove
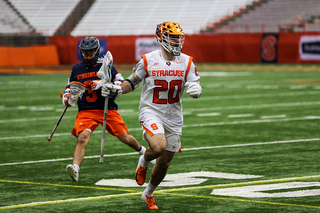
{"points": [[65, 97], [96, 84], [193, 89], [112, 91]]}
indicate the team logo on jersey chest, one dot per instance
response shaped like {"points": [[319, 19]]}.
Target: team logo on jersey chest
{"points": [[168, 63]]}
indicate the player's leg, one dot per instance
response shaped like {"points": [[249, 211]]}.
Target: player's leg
{"points": [[157, 146], [83, 127], [131, 141], [80, 149], [116, 127], [78, 154], [154, 134], [158, 173]]}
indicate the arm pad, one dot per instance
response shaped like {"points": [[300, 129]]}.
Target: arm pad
{"points": [[134, 82]]}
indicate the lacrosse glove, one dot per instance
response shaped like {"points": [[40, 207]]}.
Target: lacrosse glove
{"points": [[65, 97], [96, 84], [111, 91], [193, 89]]}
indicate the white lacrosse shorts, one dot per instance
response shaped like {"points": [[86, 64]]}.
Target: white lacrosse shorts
{"points": [[154, 125]]}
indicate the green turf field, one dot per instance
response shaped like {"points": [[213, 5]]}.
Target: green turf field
{"points": [[250, 144]]}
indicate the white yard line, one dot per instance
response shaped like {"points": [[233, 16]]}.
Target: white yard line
{"points": [[240, 115], [184, 126], [185, 149], [254, 106], [185, 111], [208, 114]]}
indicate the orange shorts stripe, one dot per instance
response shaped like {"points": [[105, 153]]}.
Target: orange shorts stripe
{"points": [[93, 118], [147, 130]]}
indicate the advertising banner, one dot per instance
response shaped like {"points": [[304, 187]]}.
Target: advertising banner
{"points": [[309, 47], [145, 45]]}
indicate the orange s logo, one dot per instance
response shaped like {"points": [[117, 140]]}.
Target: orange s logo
{"points": [[154, 126], [269, 48]]}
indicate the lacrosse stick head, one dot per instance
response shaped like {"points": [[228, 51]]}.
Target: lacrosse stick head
{"points": [[104, 72], [76, 91]]}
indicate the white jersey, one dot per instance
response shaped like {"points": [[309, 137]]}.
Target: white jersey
{"points": [[163, 84]]}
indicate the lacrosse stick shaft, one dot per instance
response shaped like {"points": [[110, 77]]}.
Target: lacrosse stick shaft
{"points": [[104, 129], [55, 127]]}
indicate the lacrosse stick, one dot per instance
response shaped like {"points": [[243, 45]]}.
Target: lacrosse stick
{"points": [[76, 90], [104, 74]]}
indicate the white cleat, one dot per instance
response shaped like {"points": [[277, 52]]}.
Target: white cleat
{"points": [[72, 172], [154, 161]]}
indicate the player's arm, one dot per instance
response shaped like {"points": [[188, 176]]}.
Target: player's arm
{"points": [[193, 86], [65, 95], [131, 83], [115, 91]]}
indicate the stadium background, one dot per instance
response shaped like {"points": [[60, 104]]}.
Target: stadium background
{"points": [[45, 32], [257, 117]]}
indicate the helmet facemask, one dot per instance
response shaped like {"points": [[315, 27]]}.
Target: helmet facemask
{"points": [[171, 37], [90, 55], [172, 43], [90, 50]]}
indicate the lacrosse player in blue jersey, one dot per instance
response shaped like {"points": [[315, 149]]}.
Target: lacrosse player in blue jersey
{"points": [[91, 105]]}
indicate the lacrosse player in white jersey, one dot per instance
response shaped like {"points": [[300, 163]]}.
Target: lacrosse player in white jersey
{"points": [[166, 73]]}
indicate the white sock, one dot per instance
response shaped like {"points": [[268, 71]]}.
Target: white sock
{"points": [[142, 150], [149, 190], [76, 167], [144, 163]]}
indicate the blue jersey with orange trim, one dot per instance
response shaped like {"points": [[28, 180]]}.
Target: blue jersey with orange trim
{"points": [[91, 99]]}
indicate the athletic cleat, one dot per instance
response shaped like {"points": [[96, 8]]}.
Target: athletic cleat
{"points": [[73, 173], [141, 173], [151, 204]]}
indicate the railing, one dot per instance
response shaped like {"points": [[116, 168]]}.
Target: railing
{"points": [[262, 28]]}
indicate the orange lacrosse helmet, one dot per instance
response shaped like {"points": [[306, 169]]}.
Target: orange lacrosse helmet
{"points": [[171, 37]]}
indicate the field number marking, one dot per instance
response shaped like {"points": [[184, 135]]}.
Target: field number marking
{"points": [[261, 191], [180, 179]]}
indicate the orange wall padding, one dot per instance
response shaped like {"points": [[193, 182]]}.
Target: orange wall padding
{"points": [[37, 55], [5, 57], [225, 48], [205, 48]]}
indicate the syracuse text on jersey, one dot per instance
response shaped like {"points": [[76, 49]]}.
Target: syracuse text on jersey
{"points": [[167, 73]]}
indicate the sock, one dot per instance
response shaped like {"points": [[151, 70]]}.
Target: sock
{"points": [[144, 163], [149, 190], [142, 150], [76, 167]]}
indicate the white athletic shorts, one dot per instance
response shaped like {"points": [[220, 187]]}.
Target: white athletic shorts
{"points": [[154, 125]]}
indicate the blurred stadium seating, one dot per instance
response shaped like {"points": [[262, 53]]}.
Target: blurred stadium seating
{"points": [[45, 16], [113, 17], [127, 17], [273, 16], [120, 22]]}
